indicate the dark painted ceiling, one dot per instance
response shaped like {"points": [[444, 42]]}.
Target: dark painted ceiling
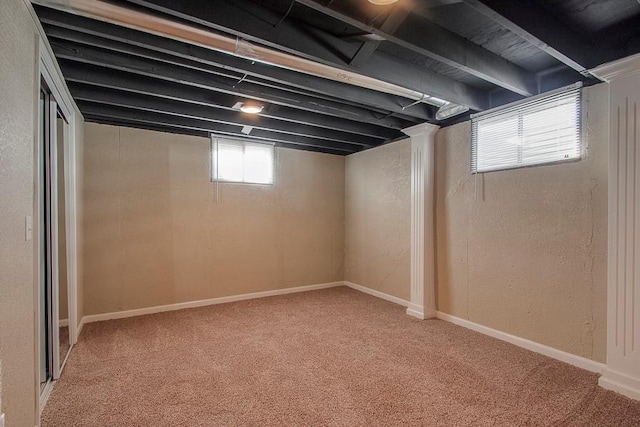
{"points": [[477, 53]]}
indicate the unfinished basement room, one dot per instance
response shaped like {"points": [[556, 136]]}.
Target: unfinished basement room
{"points": [[319, 213]]}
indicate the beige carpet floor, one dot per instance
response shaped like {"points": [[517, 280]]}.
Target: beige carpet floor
{"points": [[334, 357]]}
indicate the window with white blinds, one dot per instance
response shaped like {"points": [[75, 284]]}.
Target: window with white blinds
{"points": [[544, 129], [241, 161]]}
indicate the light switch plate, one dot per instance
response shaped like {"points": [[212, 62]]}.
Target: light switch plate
{"points": [[1, 420]]}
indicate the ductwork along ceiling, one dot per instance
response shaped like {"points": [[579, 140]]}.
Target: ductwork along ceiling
{"points": [[331, 76]]}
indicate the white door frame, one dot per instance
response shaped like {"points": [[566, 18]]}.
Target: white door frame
{"points": [[70, 177], [63, 103]]}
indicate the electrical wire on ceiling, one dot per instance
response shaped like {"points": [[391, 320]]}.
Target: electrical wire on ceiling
{"points": [[164, 27]]}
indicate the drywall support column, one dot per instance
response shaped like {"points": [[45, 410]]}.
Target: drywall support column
{"points": [[622, 373], [423, 287]]}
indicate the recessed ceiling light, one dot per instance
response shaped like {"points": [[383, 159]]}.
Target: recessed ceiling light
{"points": [[382, 2], [251, 108]]}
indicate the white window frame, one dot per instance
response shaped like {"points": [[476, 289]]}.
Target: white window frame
{"points": [[214, 167], [518, 110]]}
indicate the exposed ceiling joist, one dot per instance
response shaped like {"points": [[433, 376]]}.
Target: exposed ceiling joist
{"points": [[237, 118], [129, 124], [159, 120], [544, 31], [252, 22], [184, 66], [174, 29], [95, 76], [194, 132], [198, 78], [390, 24], [76, 28], [433, 41]]}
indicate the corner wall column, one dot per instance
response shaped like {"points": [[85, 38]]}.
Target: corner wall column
{"points": [[423, 288], [622, 373]]}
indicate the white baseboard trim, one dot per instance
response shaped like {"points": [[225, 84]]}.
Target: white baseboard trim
{"points": [[378, 294], [620, 383], [416, 311], [63, 323], [569, 358], [202, 303], [572, 359], [554, 353]]}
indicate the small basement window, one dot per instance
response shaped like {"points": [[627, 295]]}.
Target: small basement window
{"points": [[234, 160], [541, 130]]}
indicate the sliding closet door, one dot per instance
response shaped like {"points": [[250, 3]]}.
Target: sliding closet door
{"points": [[53, 316], [51, 154], [46, 363], [48, 238]]}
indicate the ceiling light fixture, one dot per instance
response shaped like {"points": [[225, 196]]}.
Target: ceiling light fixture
{"points": [[382, 2], [251, 108], [450, 110]]}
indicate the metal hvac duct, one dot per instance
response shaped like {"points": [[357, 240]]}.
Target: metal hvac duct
{"points": [[163, 27]]}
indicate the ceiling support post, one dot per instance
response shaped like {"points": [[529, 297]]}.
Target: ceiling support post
{"points": [[622, 373], [422, 304]]}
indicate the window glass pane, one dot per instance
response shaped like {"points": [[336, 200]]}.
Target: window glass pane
{"points": [[550, 135], [230, 158], [542, 130], [240, 161], [213, 148], [258, 163], [502, 142]]}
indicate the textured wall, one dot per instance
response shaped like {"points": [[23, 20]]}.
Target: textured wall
{"points": [[17, 112], [154, 233], [378, 218], [524, 251]]}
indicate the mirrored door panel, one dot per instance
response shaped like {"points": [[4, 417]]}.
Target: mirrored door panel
{"points": [[46, 371], [62, 129]]}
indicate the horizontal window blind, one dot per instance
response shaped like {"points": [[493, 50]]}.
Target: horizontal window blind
{"points": [[546, 129], [241, 161]]}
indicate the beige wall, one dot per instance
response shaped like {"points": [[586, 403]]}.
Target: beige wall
{"points": [[378, 218], [154, 233], [525, 251], [18, 59], [522, 251]]}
